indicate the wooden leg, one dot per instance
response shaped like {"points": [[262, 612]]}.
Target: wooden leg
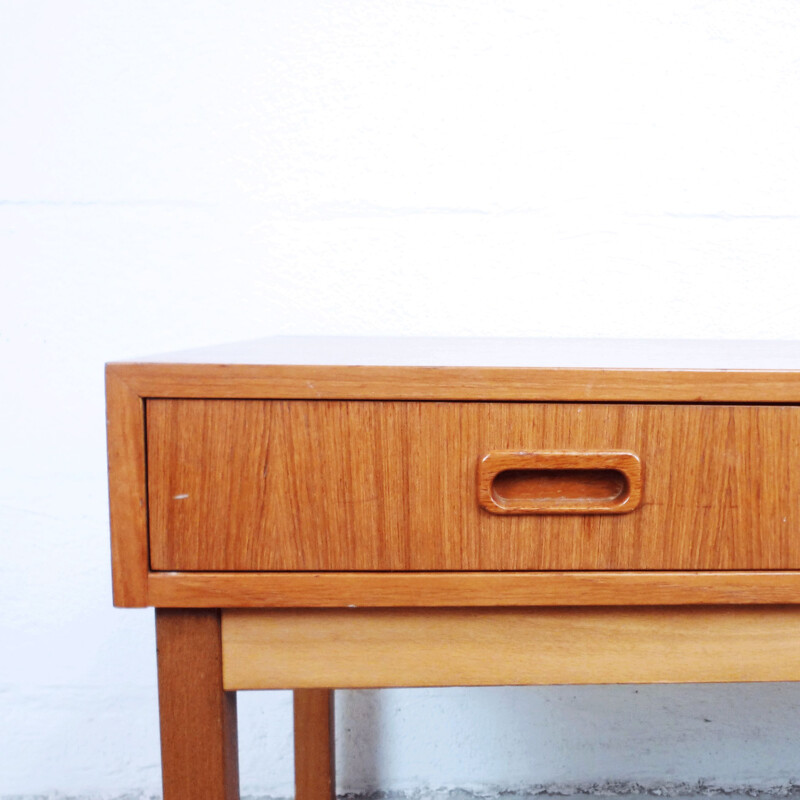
{"points": [[314, 770], [198, 719]]}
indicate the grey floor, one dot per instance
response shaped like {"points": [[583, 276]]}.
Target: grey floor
{"points": [[670, 792]]}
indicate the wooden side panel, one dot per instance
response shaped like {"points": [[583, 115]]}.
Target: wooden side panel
{"points": [[478, 647], [127, 490], [314, 747], [199, 756], [390, 486]]}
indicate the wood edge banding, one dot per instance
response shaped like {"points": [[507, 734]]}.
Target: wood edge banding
{"points": [[252, 381], [127, 489], [453, 589]]}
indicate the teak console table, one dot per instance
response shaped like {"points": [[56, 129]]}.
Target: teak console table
{"points": [[313, 514]]}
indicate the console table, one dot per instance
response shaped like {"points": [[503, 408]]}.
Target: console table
{"points": [[313, 514]]}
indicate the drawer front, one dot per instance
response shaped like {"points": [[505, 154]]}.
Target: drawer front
{"points": [[344, 485]]}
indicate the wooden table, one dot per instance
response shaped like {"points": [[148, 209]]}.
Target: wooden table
{"points": [[326, 513]]}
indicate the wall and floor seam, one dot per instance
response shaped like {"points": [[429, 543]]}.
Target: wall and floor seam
{"points": [[610, 789]]}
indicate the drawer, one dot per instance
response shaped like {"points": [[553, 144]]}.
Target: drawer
{"points": [[246, 485]]}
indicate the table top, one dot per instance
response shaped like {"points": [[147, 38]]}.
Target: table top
{"points": [[659, 354]]}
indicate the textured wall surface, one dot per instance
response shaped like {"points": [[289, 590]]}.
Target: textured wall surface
{"points": [[182, 173]]}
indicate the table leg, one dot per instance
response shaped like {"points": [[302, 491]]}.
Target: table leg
{"points": [[314, 771], [198, 718]]}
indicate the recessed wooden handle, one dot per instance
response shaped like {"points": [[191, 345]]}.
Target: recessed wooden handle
{"points": [[559, 482]]}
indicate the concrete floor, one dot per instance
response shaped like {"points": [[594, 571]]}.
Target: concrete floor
{"points": [[534, 793]]}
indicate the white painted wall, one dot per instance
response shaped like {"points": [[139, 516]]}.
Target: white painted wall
{"points": [[179, 173]]}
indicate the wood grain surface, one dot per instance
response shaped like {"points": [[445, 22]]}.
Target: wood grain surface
{"points": [[459, 383], [199, 757], [421, 589], [391, 486], [127, 491], [314, 746], [476, 647]]}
